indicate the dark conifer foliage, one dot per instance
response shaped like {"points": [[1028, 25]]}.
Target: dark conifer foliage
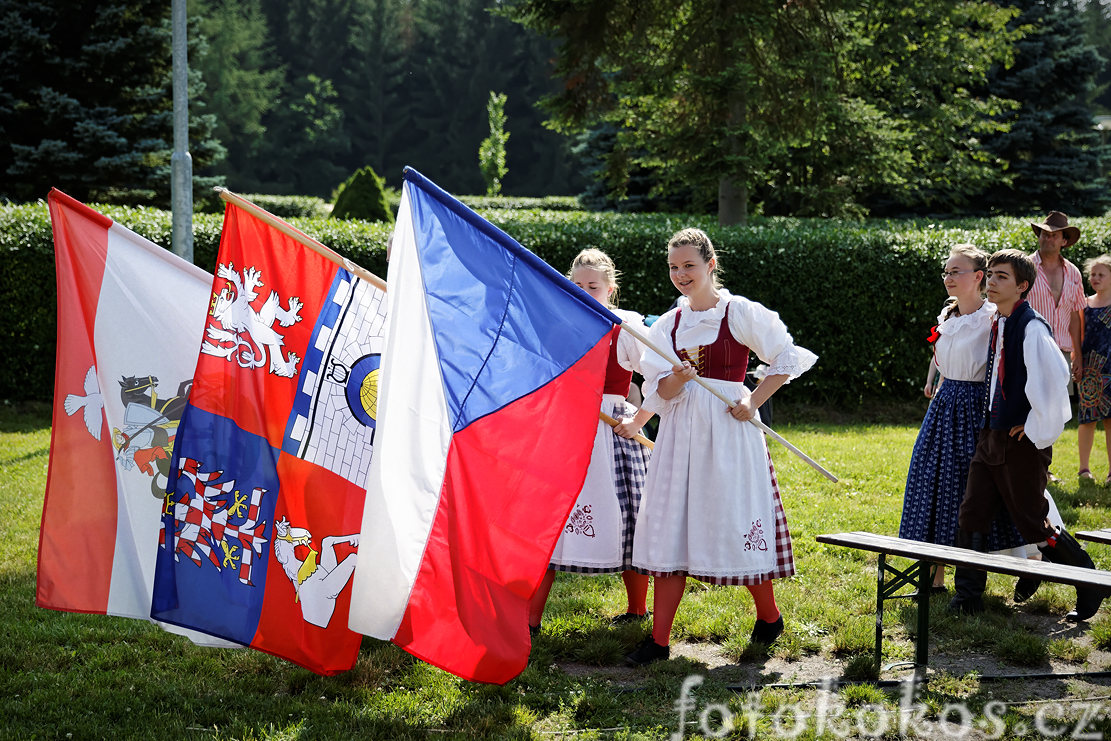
{"points": [[1056, 159], [86, 102], [401, 82]]}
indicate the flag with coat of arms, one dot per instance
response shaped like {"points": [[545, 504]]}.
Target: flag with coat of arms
{"points": [[260, 527], [130, 317]]}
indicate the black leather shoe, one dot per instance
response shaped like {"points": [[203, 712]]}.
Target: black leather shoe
{"points": [[534, 630], [1066, 550], [648, 652], [1088, 601], [628, 617], [1025, 587], [765, 632], [966, 605]]}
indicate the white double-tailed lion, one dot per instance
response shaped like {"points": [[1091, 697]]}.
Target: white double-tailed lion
{"points": [[246, 335]]}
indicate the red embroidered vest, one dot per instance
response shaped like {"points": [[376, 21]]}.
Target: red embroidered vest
{"points": [[724, 358], [618, 380]]}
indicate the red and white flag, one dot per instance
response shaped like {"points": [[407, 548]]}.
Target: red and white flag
{"points": [[130, 319]]}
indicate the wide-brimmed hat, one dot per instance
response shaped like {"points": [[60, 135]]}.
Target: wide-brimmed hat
{"points": [[1057, 222]]}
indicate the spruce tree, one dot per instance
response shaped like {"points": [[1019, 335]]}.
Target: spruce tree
{"points": [[1056, 159], [86, 102], [377, 103]]}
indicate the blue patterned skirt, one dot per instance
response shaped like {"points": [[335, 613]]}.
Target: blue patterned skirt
{"points": [[939, 469]]}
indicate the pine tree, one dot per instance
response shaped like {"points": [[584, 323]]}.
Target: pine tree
{"points": [[1097, 28], [86, 102], [378, 109], [1056, 158]]}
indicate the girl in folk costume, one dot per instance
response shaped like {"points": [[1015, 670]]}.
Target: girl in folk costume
{"points": [[711, 508], [1094, 380], [598, 536]]}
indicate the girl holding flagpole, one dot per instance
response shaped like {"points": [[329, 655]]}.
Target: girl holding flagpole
{"points": [[598, 535], [711, 508]]}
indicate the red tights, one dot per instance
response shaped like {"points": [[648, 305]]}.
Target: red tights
{"points": [[636, 591], [669, 592]]}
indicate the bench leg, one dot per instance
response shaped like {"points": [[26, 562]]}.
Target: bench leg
{"points": [[881, 566], [918, 576], [922, 641]]}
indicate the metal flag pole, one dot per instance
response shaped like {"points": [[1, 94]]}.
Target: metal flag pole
{"points": [[670, 357], [181, 164]]}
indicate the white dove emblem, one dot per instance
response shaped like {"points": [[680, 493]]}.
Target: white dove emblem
{"points": [[92, 402]]}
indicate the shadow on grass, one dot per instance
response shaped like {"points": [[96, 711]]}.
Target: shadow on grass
{"points": [[24, 416], [1087, 494], [40, 453], [1001, 635]]}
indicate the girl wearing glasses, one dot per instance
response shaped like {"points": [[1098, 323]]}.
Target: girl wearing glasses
{"points": [[943, 450]]}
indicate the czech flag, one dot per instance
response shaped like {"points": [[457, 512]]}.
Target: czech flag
{"points": [[491, 382]]}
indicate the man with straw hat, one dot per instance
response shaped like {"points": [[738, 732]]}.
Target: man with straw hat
{"points": [[1058, 292]]}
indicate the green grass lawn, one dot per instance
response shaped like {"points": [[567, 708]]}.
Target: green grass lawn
{"points": [[80, 676]]}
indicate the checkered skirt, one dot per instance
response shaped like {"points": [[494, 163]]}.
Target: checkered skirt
{"points": [[630, 465]]}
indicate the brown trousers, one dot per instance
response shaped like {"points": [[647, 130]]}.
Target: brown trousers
{"points": [[1010, 473]]}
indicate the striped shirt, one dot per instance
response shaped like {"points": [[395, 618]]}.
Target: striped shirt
{"points": [[1072, 299]]}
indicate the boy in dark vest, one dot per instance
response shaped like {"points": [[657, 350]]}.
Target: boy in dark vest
{"points": [[1027, 407]]}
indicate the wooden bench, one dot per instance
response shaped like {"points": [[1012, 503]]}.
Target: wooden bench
{"points": [[1096, 536], [890, 580]]}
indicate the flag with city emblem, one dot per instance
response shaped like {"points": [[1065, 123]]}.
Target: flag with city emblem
{"points": [[263, 508]]}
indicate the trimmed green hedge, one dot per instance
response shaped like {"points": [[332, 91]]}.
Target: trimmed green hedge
{"points": [[362, 197], [863, 295], [287, 207], [516, 203]]}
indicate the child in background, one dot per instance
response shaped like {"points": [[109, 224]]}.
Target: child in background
{"points": [[598, 536], [1094, 379], [711, 508]]}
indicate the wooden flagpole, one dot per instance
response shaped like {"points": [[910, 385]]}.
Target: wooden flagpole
{"points": [[638, 437], [670, 357], [369, 277], [292, 231]]}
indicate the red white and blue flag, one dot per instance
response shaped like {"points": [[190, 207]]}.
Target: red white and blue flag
{"points": [[262, 512], [130, 315], [491, 382]]}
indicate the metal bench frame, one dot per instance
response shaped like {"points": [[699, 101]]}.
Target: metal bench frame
{"points": [[890, 581]]}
